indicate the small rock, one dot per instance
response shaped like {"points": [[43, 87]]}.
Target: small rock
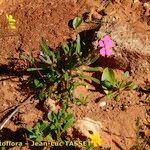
{"points": [[28, 117], [136, 1], [102, 104], [51, 105], [79, 91], [147, 7], [87, 125]]}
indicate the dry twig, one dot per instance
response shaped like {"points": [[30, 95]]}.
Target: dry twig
{"points": [[14, 111]]}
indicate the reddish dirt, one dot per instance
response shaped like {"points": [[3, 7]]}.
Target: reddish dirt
{"points": [[50, 19], [36, 20]]}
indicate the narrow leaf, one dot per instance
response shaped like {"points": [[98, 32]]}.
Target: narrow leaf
{"points": [[65, 47], [76, 22], [93, 60], [126, 75], [90, 78], [78, 45], [35, 69], [93, 69]]}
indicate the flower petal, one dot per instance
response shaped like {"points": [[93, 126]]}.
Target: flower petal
{"points": [[106, 38], [102, 51], [101, 43], [96, 139], [108, 42], [109, 52]]}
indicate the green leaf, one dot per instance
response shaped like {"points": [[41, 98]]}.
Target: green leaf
{"points": [[61, 112], [38, 83], [76, 22], [50, 116], [69, 122], [44, 47], [52, 127], [47, 52], [93, 69], [39, 139], [35, 69], [33, 136], [65, 47], [107, 85], [109, 75], [29, 57], [111, 95], [92, 60], [131, 86], [42, 126], [78, 45], [95, 80], [90, 78], [30, 129], [121, 84], [126, 75], [69, 116], [42, 95], [48, 137], [66, 76]]}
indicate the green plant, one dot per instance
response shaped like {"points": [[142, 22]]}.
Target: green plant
{"points": [[83, 100], [141, 140], [40, 132], [138, 141], [112, 87], [57, 124], [52, 73], [60, 122], [76, 22], [138, 145]]}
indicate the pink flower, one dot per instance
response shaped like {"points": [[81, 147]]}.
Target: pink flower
{"points": [[106, 44]]}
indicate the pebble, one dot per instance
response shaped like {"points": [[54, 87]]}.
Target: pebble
{"points": [[102, 104], [86, 125]]}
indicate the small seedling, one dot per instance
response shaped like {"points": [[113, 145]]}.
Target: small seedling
{"points": [[138, 146], [52, 129], [112, 87], [60, 122], [40, 132], [140, 142], [83, 100]]}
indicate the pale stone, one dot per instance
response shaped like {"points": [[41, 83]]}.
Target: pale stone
{"points": [[51, 105], [102, 104], [87, 125]]}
